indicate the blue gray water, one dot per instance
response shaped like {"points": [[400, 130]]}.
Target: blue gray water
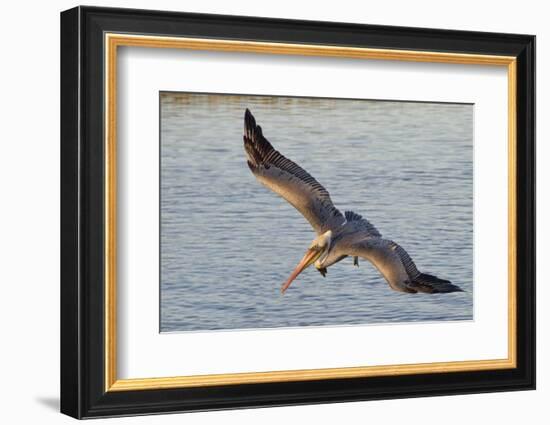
{"points": [[228, 243]]}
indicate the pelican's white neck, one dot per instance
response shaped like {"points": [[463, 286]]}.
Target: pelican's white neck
{"points": [[324, 242]]}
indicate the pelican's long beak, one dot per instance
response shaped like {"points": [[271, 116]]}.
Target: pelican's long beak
{"points": [[310, 257]]}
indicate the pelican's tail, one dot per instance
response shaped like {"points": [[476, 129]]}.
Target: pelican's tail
{"points": [[432, 285]]}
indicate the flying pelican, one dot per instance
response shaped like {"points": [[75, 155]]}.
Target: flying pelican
{"points": [[338, 235]]}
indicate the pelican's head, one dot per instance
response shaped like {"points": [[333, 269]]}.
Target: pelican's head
{"points": [[317, 251]]}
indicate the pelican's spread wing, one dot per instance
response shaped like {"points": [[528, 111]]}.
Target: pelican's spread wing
{"points": [[288, 179], [397, 267]]}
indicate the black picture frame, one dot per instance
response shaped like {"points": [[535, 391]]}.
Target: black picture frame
{"points": [[83, 392]]}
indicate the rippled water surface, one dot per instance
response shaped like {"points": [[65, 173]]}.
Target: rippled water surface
{"points": [[228, 243]]}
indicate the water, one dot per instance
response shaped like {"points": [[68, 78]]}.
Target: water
{"points": [[228, 243]]}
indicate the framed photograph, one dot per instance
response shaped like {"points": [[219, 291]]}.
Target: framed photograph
{"points": [[261, 212]]}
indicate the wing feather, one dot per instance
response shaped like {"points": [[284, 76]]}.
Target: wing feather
{"points": [[361, 225], [288, 179], [398, 268]]}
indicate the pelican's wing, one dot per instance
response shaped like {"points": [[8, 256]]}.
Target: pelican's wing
{"points": [[397, 267], [288, 179], [355, 223]]}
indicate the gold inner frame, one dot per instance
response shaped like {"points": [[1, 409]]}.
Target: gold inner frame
{"points": [[113, 41]]}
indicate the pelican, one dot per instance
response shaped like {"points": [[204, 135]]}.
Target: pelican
{"points": [[338, 235]]}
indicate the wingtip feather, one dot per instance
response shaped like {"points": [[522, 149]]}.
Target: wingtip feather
{"points": [[432, 284], [249, 123]]}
